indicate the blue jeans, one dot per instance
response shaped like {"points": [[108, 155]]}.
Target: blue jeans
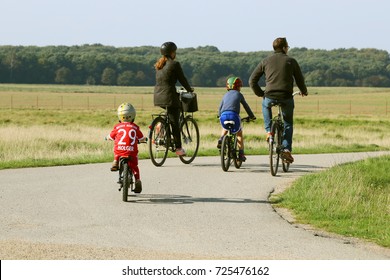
{"points": [[288, 114]]}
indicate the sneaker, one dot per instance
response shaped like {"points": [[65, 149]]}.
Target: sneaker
{"points": [[269, 134], [286, 156], [241, 157], [138, 186], [180, 152], [219, 144], [115, 166]]}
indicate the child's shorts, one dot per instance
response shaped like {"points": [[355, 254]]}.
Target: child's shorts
{"points": [[231, 116]]}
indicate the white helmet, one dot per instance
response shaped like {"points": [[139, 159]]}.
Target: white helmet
{"points": [[126, 112]]}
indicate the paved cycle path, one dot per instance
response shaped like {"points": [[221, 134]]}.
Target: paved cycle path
{"points": [[194, 211]]}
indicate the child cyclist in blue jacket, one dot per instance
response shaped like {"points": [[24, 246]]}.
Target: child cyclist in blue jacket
{"points": [[229, 110]]}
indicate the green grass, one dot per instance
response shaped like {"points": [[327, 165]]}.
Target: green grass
{"points": [[351, 199]]}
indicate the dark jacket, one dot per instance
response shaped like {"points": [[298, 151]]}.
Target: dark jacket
{"points": [[280, 70], [231, 101], [165, 94]]}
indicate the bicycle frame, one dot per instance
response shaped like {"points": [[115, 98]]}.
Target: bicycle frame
{"points": [[126, 180], [232, 153], [162, 143], [275, 149]]}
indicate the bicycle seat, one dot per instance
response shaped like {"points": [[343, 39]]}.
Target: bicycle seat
{"points": [[275, 103], [229, 123]]}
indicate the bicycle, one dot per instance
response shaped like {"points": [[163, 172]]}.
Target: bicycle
{"points": [[275, 140], [229, 151], [126, 176], [126, 180], [160, 134]]}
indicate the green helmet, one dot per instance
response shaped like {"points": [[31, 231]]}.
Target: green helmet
{"points": [[233, 83], [126, 112]]}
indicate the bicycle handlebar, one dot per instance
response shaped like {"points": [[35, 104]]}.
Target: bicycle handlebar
{"points": [[299, 93], [141, 141], [248, 119]]}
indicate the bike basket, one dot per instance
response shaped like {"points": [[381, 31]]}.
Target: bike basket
{"points": [[186, 97], [190, 102]]}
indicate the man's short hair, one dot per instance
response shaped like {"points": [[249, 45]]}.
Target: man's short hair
{"points": [[279, 43]]}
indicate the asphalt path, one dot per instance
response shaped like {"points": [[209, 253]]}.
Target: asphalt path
{"points": [[194, 211]]}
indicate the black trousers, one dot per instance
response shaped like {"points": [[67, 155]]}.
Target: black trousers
{"points": [[174, 117]]}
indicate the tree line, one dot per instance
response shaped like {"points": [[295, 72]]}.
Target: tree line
{"points": [[204, 66]]}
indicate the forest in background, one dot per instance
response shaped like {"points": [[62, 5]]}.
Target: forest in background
{"points": [[204, 66]]}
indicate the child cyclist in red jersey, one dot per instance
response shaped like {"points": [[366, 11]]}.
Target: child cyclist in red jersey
{"points": [[126, 135]]}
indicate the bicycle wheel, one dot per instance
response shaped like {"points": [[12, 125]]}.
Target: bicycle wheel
{"points": [[158, 146], [236, 160], [189, 139], [126, 181], [274, 143], [225, 153]]}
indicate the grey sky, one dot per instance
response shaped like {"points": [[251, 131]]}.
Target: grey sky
{"points": [[244, 25]]}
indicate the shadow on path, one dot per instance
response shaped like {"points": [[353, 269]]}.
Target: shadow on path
{"points": [[184, 199]]}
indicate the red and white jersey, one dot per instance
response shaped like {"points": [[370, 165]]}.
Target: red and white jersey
{"points": [[126, 136]]}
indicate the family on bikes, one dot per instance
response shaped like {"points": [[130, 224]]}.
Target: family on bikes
{"points": [[280, 72]]}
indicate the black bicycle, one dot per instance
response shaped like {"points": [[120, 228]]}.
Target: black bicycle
{"points": [[229, 151], [275, 140], [160, 134], [126, 177], [126, 180]]}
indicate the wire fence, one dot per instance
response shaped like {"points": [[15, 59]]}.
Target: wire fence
{"points": [[69, 102], [208, 103]]}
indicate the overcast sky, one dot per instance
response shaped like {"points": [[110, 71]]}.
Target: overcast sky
{"points": [[242, 25]]}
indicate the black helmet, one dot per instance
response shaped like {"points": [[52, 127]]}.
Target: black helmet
{"points": [[167, 48]]}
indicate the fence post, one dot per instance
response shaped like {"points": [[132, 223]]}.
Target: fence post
{"points": [[318, 106]]}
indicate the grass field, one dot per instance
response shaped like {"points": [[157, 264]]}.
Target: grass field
{"points": [[44, 125], [58, 124]]}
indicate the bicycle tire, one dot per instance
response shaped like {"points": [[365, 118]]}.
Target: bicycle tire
{"points": [[225, 153], [236, 156], [190, 139], [274, 143], [126, 181], [158, 141]]}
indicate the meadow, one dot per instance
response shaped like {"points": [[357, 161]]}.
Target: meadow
{"points": [[45, 125], [57, 124]]}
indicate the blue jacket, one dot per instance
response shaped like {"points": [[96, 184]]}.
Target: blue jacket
{"points": [[232, 100]]}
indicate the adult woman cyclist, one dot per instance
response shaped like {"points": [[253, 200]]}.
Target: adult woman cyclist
{"points": [[168, 72]]}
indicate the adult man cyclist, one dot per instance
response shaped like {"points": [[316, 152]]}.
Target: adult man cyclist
{"points": [[168, 72], [280, 71]]}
